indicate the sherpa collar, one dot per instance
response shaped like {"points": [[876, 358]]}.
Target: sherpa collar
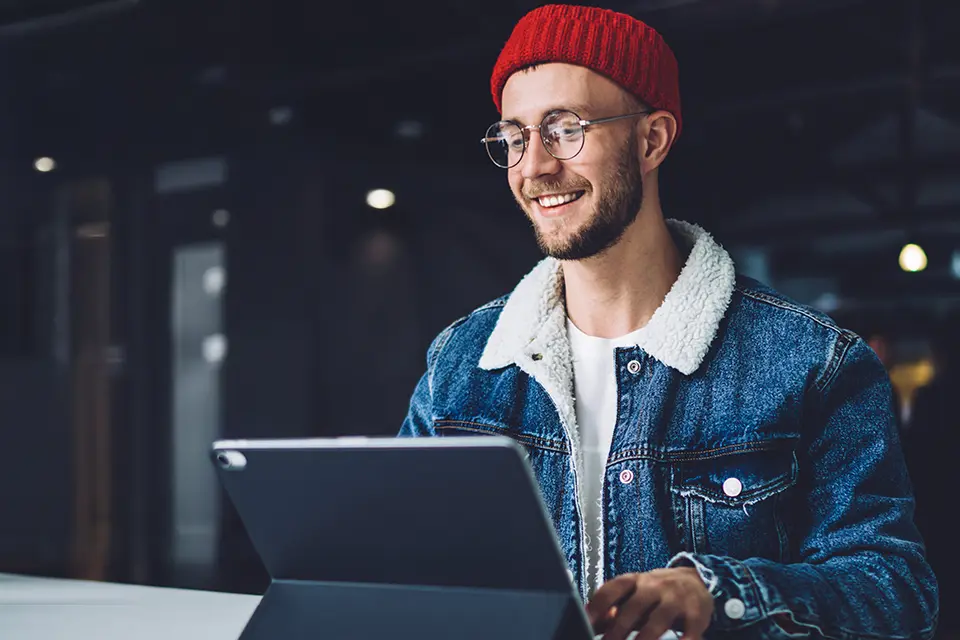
{"points": [[531, 330]]}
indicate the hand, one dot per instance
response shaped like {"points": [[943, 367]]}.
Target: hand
{"points": [[652, 603]]}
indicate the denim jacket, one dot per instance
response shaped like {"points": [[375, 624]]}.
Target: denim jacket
{"points": [[754, 441]]}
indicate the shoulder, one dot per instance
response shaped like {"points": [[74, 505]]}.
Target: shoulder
{"points": [[792, 332], [468, 333], [771, 304]]}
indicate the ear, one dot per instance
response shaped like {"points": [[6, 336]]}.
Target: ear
{"points": [[658, 132]]}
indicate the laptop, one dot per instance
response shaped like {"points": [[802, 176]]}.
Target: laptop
{"points": [[419, 538]]}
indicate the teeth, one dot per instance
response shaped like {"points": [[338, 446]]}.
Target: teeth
{"points": [[555, 201]]}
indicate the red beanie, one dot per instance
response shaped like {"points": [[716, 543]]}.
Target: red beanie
{"points": [[614, 44]]}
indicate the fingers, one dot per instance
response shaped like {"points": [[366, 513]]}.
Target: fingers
{"points": [[600, 626], [678, 611], [661, 618], [652, 603], [609, 595], [633, 613], [696, 619]]}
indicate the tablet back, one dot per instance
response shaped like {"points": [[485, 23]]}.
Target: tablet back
{"points": [[462, 512]]}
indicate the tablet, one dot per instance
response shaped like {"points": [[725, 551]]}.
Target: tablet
{"points": [[435, 537]]}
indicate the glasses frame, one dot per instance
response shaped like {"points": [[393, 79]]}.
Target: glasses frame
{"points": [[525, 133]]}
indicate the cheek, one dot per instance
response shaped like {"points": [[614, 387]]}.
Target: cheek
{"points": [[515, 180]]}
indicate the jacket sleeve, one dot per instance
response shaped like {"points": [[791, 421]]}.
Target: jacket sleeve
{"points": [[419, 420], [861, 571]]}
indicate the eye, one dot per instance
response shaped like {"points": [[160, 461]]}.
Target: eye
{"points": [[563, 126], [515, 142]]}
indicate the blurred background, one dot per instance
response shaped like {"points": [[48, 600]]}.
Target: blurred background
{"points": [[192, 245]]}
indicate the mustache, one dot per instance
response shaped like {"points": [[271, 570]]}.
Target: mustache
{"points": [[534, 190]]}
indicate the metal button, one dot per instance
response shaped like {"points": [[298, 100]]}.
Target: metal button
{"points": [[732, 487], [633, 367], [570, 573], [734, 608], [626, 476]]}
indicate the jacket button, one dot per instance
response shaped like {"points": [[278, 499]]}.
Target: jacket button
{"points": [[732, 487], [734, 608], [626, 476], [633, 367]]}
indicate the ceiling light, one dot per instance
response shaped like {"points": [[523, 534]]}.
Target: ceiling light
{"points": [[381, 199], [913, 258], [44, 165]]}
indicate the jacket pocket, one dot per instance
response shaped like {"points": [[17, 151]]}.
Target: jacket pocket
{"points": [[734, 504]]}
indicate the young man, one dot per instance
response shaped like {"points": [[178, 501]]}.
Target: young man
{"points": [[713, 455]]}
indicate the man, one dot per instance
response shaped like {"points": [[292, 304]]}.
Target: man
{"points": [[714, 456]]}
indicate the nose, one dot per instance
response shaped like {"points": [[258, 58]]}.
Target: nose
{"points": [[537, 161]]}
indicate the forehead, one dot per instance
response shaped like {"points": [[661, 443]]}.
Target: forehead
{"points": [[531, 93]]}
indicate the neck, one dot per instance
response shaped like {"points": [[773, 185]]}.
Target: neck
{"points": [[618, 291]]}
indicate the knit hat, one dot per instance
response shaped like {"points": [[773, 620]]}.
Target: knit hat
{"points": [[616, 45]]}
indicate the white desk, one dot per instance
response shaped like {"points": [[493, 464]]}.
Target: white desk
{"points": [[51, 609]]}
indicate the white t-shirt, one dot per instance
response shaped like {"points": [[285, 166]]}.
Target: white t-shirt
{"points": [[595, 387]]}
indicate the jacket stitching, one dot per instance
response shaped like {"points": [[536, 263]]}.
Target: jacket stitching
{"points": [[776, 302], [755, 588], [836, 361], [439, 344], [478, 427], [705, 454], [771, 489], [444, 337]]}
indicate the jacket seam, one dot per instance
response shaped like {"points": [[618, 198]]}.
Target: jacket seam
{"points": [[755, 588], [834, 360], [838, 353], [773, 488], [782, 304], [438, 347], [479, 427], [645, 453], [444, 337]]}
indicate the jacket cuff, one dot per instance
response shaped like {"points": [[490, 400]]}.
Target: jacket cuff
{"points": [[732, 585]]}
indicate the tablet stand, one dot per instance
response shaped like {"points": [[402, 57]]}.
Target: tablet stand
{"points": [[302, 610]]}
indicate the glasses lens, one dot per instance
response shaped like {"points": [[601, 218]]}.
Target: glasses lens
{"points": [[562, 134], [504, 143]]}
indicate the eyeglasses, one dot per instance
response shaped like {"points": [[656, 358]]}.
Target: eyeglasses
{"points": [[562, 133]]}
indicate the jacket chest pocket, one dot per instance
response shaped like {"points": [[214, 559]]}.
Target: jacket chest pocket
{"points": [[734, 504]]}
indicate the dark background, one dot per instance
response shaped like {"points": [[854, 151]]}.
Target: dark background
{"points": [[820, 137]]}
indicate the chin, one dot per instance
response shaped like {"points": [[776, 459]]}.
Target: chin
{"points": [[555, 244]]}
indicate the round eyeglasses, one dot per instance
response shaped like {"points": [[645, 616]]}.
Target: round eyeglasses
{"points": [[562, 134]]}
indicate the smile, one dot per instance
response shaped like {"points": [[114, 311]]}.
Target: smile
{"points": [[548, 202]]}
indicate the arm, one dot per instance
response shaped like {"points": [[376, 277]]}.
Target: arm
{"points": [[419, 420], [862, 573]]}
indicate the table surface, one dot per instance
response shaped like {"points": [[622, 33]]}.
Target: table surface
{"points": [[54, 609]]}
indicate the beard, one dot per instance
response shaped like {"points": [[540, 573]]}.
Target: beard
{"points": [[616, 209]]}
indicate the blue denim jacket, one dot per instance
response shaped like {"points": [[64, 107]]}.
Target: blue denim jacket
{"points": [[732, 381]]}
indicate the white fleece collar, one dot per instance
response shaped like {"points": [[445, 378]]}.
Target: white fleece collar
{"points": [[531, 330]]}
